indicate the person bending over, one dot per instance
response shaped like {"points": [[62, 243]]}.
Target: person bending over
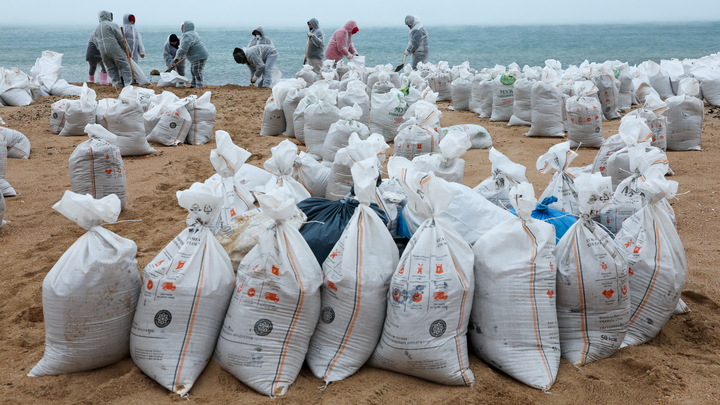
{"points": [[192, 48]]}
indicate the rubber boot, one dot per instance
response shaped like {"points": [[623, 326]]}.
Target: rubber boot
{"points": [[103, 79], [91, 79]]}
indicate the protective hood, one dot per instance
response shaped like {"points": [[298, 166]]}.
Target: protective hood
{"points": [[126, 19], [259, 31], [188, 26], [350, 26], [314, 23], [174, 38], [409, 20], [105, 16]]}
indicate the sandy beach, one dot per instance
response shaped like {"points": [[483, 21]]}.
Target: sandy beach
{"points": [[679, 366]]}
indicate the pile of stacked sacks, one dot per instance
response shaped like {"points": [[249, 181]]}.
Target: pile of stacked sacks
{"points": [[340, 267], [553, 101]]}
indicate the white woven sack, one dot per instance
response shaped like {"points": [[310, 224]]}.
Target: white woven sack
{"points": [[593, 302], [125, 120], [505, 174], [513, 324], [503, 97], [658, 266], [174, 125], [90, 294], [522, 103], [547, 111], [69, 117], [584, 115], [562, 184], [281, 164], [292, 99], [185, 295], [609, 95], [356, 280], [5, 187], [273, 121], [479, 136], [685, 116], [340, 131], [203, 113], [227, 158], [447, 164], [340, 181], [386, 113], [96, 168], [313, 175], [356, 94], [17, 144], [275, 305], [431, 290]]}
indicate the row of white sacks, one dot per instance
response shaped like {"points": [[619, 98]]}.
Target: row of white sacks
{"points": [[365, 303], [19, 89], [552, 101], [135, 115]]}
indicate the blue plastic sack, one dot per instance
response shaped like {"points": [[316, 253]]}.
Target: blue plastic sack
{"points": [[326, 221], [560, 219]]}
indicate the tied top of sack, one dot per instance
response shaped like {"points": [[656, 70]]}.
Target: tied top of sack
{"points": [[365, 174], [428, 195], [505, 169], [594, 194], [201, 201], [656, 189], [349, 113], [522, 198], [655, 104], [275, 204], [227, 158], [97, 131], [634, 131], [454, 145], [87, 211], [558, 157], [283, 158]]}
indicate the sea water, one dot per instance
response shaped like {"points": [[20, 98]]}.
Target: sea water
{"points": [[482, 46]]}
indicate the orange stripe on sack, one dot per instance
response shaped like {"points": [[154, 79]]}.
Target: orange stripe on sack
{"points": [[92, 172], [283, 354], [532, 295], [357, 306], [652, 284], [192, 323], [582, 300], [21, 152], [462, 316]]}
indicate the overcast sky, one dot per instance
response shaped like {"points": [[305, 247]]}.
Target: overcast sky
{"points": [[294, 13]]}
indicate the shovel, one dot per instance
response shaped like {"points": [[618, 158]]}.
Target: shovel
{"points": [[307, 48], [401, 66], [127, 50], [173, 66]]}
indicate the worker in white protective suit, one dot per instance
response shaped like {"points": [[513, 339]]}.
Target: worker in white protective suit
{"points": [[259, 38], [316, 45], [133, 38], [260, 59], [109, 41], [418, 41]]}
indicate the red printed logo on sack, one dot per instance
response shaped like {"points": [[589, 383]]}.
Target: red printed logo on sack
{"points": [[440, 296], [627, 245], [149, 285], [168, 286], [402, 270], [438, 269], [272, 297], [637, 249], [550, 293], [159, 263], [275, 270], [331, 286], [551, 266], [608, 294], [608, 220], [251, 292], [396, 295], [420, 266], [602, 168], [603, 265], [180, 265], [240, 288], [624, 290], [630, 272], [232, 212], [108, 171], [417, 297], [334, 254]]}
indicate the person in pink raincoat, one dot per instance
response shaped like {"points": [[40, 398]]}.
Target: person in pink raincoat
{"points": [[340, 44]]}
